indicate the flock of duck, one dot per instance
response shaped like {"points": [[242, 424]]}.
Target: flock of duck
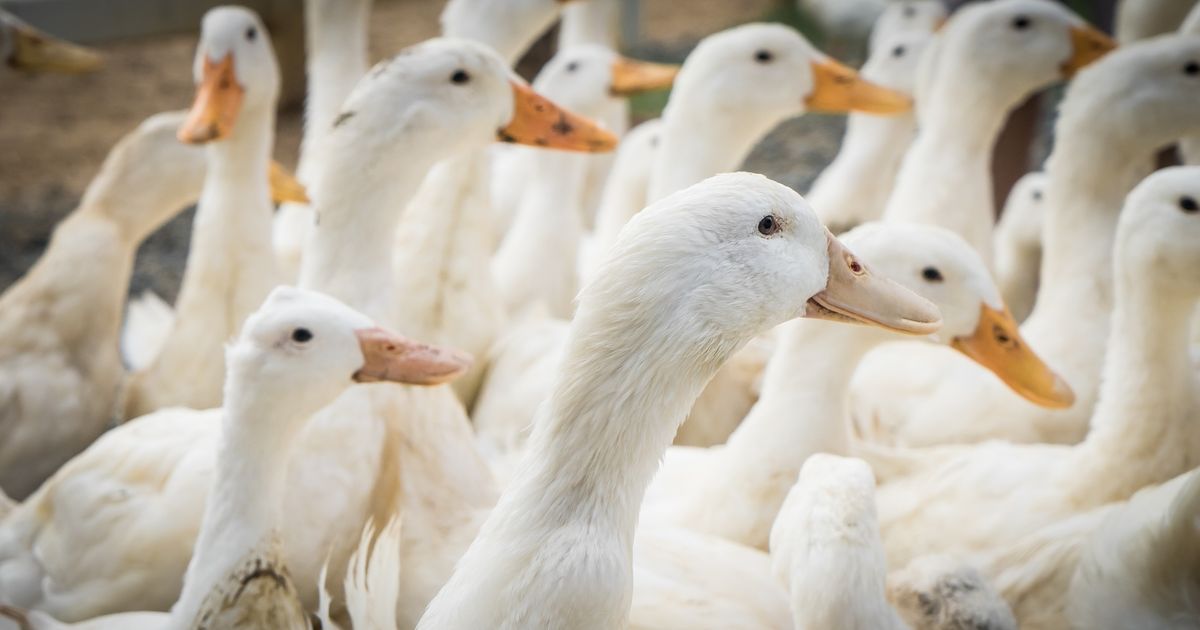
{"points": [[636, 389]]}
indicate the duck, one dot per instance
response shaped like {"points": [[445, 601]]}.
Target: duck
{"points": [[297, 353], [663, 313], [735, 490], [27, 49], [231, 267], [60, 370], [535, 265], [854, 187], [1138, 569], [1142, 19], [825, 548], [906, 16], [1141, 433], [56, 558], [335, 34], [916, 398], [1189, 145], [448, 228], [1018, 243], [985, 61]]}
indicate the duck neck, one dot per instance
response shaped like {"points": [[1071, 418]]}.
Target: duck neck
{"points": [[802, 409], [359, 192], [230, 260], [1140, 433], [623, 391], [945, 178], [336, 33], [697, 144], [246, 502], [854, 187]]}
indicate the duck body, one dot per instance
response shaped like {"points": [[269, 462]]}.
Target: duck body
{"points": [[61, 376]]}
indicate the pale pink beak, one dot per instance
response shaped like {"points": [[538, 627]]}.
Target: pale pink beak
{"points": [[391, 357]]}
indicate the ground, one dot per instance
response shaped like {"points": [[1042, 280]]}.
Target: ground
{"points": [[56, 130]]}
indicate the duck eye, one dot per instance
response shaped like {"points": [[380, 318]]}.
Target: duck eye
{"points": [[251, 34], [1021, 22], [1188, 205], [898, 52], [763, 56], [932, 274], [302, 335], [1191, 69], [460, 77], [910, 11], [768, 225], [1037, 195], [573, 66]]}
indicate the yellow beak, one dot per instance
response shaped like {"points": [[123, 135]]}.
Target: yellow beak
{"points": [[853, 294], [537, 121], [1087, 45], [35, 51], [996, 344], [838, 89], [218, 100], [284, 186], [630, 76]]}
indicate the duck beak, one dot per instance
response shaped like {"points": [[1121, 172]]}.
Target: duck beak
{"points": [[391, 357], [1087, 45], [284, 186], [35, 51], [997, 345], [838, 89], [539, 122], [218, 100], [630, 76], [853, 294]]}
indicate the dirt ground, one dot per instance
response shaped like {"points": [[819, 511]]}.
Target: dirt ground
{"points": [[56, 130]]}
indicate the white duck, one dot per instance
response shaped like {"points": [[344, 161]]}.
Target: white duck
{"points": [[447, 229], [667, 309], [27, 49], [295, 355], [537, 260], [60, 372], [825, 547], [1114, 118], [1139, 569], [1189, 145], [1018, 243], [735, 490], [1141, 433], [335, 34], [231, 267], [986, 60], [906, 16], [114, 529]]}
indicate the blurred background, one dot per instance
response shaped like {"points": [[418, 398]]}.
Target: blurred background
{"points": [[55, 130]]}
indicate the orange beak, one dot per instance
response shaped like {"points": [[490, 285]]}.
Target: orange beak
{"points": [[35, 51], [996, 344], [539, 122], [1087, 45], [838, 89], [218, 100], [630, 76], [284, 186], [391, 357]]}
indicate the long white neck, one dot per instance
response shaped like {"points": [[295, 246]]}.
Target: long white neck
{"points": [[336, 33], [697, 144], [802, 410], [246, 502], [590, 22], [1142, 430], [538, 259], [855, 187], [359, 197], [1086, 187], [838, 579], [945, 178]]}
